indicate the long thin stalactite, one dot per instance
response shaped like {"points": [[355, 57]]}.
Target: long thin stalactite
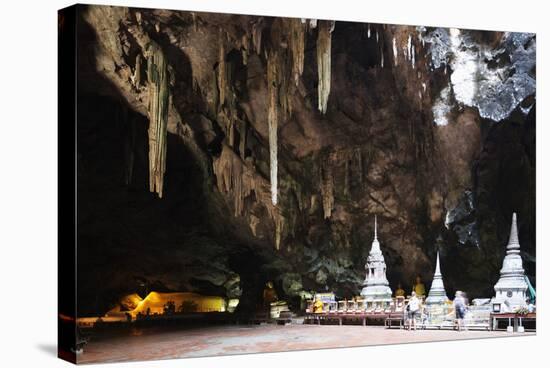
{"points": [[323, 62], [159, 95], [272, 119], [297, 46]]}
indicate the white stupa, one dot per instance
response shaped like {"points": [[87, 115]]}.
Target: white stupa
{"points": [[376, 286], [437, 294], [511, 287]]}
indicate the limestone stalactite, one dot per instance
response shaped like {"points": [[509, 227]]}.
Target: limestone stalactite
{"points": [[272, 119], [297, 46], [242, 128], [226, 106], [238, 178], [327, 189], [222, 70], [194, 18], [358, 160], [394, 48], [257, 36], [323, 62], [245, 46], [231, 132], [279, 223], [136, 78], [159, 96], [409, 46]]}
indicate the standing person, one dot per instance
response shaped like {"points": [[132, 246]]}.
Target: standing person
{"points": [[414, 310], [460, 309]]}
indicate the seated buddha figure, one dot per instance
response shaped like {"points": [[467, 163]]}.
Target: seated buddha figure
{"points": [[269, 295], [399, 291], [419, 287], [317, 305]]}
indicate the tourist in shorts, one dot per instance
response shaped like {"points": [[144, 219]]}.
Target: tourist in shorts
{"points": [[460, 309], [414, 310]]}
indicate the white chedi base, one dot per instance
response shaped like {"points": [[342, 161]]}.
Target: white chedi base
{"points": [[377, 293], [509, 303], [511, 287], [440, 299], [376, 286], [437, 294]]}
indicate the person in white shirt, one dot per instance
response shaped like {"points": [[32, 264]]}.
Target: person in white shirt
{"points": [[414, 310]]}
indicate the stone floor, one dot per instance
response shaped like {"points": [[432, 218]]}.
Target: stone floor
{"points": [[152, 344]]}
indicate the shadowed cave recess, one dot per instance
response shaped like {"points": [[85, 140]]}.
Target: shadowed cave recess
{"points": [[358, 119]]}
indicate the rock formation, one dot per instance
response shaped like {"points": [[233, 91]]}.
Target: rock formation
{"points": [[159, 97], [324, 50]]}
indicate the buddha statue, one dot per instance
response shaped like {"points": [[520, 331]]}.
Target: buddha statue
{"points": [[269, 295], [399, 291], [419, 287]]}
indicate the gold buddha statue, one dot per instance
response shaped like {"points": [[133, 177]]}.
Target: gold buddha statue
{"points": [[399, 291], [419, 287]]}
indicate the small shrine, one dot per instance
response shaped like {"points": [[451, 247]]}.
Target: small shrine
{"points": [[437, 294], [376, 290], [511, 287]]}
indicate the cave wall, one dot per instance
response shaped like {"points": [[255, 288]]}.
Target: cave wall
{"points": [[340, 113]]}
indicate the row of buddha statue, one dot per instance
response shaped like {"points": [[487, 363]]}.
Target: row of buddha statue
{"points": [[418, 287]]}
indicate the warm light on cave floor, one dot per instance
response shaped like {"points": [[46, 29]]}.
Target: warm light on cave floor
{"points": [[154, 344]]}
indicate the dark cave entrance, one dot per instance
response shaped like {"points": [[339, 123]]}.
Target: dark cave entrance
{"points": [[129, 240], [121, 224], [127, 234]]}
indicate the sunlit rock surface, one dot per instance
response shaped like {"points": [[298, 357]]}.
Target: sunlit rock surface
{"points": [[494, 74]]}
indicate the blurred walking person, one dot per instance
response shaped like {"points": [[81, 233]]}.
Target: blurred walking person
{"points": [[459, 303]]}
